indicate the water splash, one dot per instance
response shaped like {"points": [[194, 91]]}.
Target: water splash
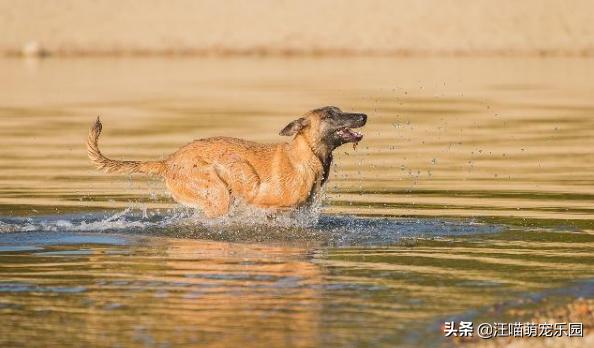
{"points": [[251, 226]]}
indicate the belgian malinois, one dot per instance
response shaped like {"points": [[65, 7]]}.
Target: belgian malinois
{"points": [[211, 173]]}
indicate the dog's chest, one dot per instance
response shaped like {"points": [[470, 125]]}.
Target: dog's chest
{"points": [[307, 184], [292, 188]]}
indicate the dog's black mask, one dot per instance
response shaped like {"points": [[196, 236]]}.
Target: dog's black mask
{"points": [[328, 127], [337, 126]]}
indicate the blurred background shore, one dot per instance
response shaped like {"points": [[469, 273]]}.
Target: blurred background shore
{"points": [[207, 27]]}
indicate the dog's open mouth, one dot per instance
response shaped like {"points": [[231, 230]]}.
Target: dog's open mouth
{"points": [[348, 135]]}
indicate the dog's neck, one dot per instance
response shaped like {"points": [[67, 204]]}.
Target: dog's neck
{"points": [[302, 142]]}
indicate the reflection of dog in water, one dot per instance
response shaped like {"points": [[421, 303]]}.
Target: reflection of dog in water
{"points": [[210, 173]]}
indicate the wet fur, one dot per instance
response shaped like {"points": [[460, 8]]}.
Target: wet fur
{"points": [[210, 173]]}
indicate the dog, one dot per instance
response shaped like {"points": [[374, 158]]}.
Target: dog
{"points": [[211, 173]]}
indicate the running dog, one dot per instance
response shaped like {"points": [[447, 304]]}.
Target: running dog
{"points": [[211, 173]]}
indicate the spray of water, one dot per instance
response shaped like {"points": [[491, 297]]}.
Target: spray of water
{"points": [[250, 225]]}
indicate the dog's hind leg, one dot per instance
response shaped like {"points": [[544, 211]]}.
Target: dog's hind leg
{"points": [[202, 188]]}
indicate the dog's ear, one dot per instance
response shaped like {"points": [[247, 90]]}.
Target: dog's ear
{"points": [[295, 126]]}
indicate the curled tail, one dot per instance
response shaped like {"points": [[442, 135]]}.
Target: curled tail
{"points": [[113, 166]]}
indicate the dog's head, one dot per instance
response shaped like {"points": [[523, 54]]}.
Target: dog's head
{"points": [[328, 127]]}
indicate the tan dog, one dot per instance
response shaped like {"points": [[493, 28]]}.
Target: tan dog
{"points": [[210, 173]]}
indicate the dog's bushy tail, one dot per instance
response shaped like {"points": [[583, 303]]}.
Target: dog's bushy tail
{"points": [[113, 166]]}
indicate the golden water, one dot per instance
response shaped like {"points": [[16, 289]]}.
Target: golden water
{"points": [[490, 161]]}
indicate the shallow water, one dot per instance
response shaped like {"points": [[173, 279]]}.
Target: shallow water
{"points": [[471, 190]]}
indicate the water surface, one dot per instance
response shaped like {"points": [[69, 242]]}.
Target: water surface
{"points": [[471, 190]]}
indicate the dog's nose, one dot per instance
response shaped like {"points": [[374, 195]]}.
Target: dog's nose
{"points": [[363, 118]]}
